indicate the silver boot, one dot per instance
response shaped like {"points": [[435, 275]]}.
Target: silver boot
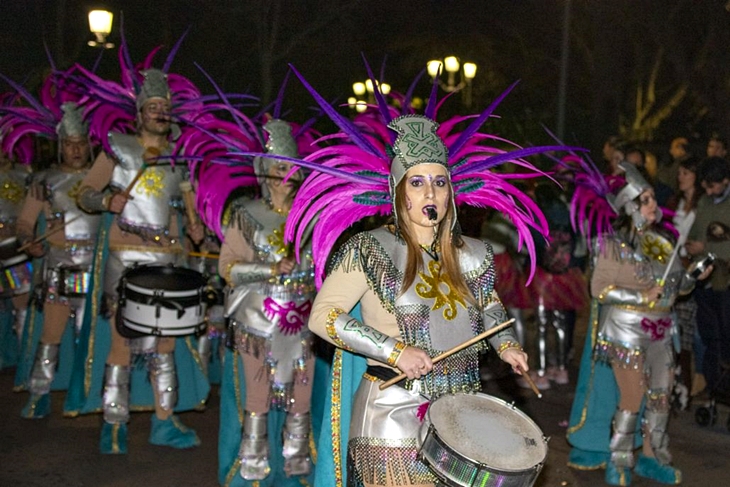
{"points": [[296, 444], [116, 394], [622, 441], [254, 451], [655, 428], [164, 379], [204, 350], [44, 369]]}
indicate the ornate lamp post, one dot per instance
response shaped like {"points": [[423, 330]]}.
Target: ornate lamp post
{"points": [[100, 24], [451, 65], [364, 94]]}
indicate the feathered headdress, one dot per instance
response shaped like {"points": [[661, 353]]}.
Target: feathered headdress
{"points": [[351, 179], [226, 152], [54, 114]]}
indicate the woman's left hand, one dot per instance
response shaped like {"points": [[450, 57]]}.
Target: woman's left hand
{"points": [[517, 359]]}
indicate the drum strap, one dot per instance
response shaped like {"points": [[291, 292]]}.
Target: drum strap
{"points": [[384, 374]]}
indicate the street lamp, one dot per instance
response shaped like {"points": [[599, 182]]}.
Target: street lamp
{"points": [[365, 94], [451, 65], [100, 24]]}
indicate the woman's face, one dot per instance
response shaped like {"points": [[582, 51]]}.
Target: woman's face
{"points": [[428, 194], [686, 179], [648, 205], [275, 180]]}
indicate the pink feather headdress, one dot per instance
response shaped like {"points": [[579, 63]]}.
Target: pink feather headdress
{"points": [[350, 179], [224, 151], [36, 117]]}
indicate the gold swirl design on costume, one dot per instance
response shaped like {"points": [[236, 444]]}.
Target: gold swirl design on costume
{"points": [[656, 247], [74, 191], [11, 191], [431, 288], [276, 240], [151, 183]]}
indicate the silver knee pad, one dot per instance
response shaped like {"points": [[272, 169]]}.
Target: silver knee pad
{"points": [[164, 378], [296, 444], [254, 451], [116, 394], [44, 369], [622, 440]]}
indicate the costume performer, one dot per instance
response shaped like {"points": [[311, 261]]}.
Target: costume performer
{"points": [[15, 269], [422, 287], [143, 226], [636, 329], [559, 288], [269, 306], [68, 251]]}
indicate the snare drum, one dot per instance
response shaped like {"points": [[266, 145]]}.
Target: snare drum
{"points": [[480, 440], [161, 301]]}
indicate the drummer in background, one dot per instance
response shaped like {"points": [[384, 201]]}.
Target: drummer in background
{"points": [[269, 304], [13, 295], [68, 254], [144, 231]]}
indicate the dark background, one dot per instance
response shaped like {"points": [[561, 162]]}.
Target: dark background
{"points": [[648, 70]]}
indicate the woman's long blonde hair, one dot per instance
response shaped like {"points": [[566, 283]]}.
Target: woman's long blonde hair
{"points": [[448, 243]]}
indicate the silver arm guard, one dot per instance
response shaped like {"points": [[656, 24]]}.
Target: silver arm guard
{"points": [[348, 333], [494, 315], [245, 273], [91, 200], [614, 295]]}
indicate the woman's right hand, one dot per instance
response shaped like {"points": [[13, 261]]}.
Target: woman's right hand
{"points": [[284, 266], [414, 362]]}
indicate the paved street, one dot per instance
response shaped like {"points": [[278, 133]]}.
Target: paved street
{"points": [[59, 452]]}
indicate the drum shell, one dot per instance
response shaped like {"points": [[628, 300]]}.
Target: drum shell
{"points": [[16, 277], [451, 460], [161, 301]]}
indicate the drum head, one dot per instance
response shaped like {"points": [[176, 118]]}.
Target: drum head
{"points": [[489, 431], [167, 278]]}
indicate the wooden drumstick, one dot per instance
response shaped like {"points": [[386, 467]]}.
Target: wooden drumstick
{"points": [[189, 199], [452, 351], [26, 246], [531, 382], [204, 255]]}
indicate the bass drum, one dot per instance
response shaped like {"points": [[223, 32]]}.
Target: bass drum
{"points": [[161, 301], [476, 439]]}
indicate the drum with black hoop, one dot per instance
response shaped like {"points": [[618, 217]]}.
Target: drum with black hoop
{"points": [[16, 274], [479, 440], [161, 301]]}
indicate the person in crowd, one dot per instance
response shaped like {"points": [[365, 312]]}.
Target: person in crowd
{"points": [[559, 289], [637, 157], [711, 233], [678, 151], [684, 205], [716, 146]]}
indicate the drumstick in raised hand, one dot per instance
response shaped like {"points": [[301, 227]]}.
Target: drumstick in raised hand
{"points": [[531, 382], [26, 246], [452, 351]]}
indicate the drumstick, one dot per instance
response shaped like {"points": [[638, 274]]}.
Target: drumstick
{"points": [[452, 351], [204, 255], [46, 235], [189, 198], [531, 382]]}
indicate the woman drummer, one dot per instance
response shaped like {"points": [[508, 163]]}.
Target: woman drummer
{"points": [[421, 286]]}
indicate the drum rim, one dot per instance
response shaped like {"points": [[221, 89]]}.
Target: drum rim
{"points": [[503, 403], [12, 261], [147, 291]]}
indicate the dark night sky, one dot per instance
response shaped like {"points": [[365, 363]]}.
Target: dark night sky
{"points": [[508, 39]]}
